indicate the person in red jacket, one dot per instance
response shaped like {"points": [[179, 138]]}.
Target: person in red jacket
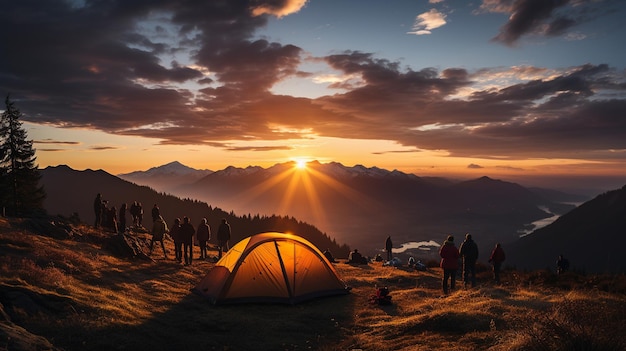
{"points": [[449, 262], [496, 259]]}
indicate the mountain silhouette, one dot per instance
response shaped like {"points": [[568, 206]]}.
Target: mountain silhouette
{"points": [[361, 206], [590, 236], [73, 192], [167, 176]]}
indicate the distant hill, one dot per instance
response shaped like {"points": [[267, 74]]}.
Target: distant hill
{"points": [[70, 191], [361, 206], [166, 177], [592, 237]]}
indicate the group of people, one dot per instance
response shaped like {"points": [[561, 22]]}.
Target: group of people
{"points": [[183, 233], [107, 217], [112, 219], [468, 253]]}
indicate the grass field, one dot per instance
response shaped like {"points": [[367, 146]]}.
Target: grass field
{"points": [[76, 294]]}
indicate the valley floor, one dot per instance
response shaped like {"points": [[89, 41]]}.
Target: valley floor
{"points": [[78, 294]]}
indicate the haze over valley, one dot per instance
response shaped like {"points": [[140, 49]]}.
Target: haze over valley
{"points": [[360, 206]]}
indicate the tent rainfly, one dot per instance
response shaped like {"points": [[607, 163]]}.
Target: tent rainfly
{"points": [[271, 267]]}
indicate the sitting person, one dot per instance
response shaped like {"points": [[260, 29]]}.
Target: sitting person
{"points": [[329, 256], [378, 258], [356, 257], [395, 262], [411, 262]]}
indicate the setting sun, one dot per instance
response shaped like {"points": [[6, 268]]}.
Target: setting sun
{"points": [[301, 163]]}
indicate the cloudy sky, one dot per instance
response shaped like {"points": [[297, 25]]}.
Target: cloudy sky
{"points": [[508, 88]]}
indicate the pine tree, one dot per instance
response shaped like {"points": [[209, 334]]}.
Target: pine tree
{"points": [[20, 192]]}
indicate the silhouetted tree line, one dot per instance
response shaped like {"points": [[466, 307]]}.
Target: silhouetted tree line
{"points": [[20, 191], [86, 184], [246, 225]]}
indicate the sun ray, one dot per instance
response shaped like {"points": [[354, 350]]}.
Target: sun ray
{"points": [[301, 190]]}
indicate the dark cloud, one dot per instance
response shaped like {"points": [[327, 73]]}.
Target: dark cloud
{"points": [[526, 17], [102, 148], [57, 142], [474, 166], [193, 72], [560, 116], [509, 168], [543, 17], [395, 152], [258, 148]]}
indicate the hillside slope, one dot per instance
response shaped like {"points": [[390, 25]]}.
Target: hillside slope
{"points": [[70, 191], [78, 294], [590, 236]]}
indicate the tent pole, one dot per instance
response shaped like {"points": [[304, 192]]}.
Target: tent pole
{"points": [[284, 270]]}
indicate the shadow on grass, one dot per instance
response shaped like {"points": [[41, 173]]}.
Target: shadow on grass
{"points": [[196, 324]]}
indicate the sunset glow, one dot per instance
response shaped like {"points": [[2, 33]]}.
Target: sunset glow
{"points": [[301, 164], [511, 91]]}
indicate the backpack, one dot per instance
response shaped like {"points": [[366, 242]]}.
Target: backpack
{"points": [[381, 297]]}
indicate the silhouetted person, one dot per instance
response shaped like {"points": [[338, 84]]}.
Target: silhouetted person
{"points": [[329, 255], [97, 209], [496, 259], [562, 264], [122, 218], [134, 208], [223, 236], [356, 257], [450, 263], [112, 219], [159, 228], [156, 212], [140, 214], [469, 252], [104, 209], [389, 248], [203, 234], [175, 233], [187, 232]]}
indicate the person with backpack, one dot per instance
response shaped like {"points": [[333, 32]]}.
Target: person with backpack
{"points": [[562, 264], [203, 234], [450, 263], [155, 212], [178, 240], [469, 253], [159, 228], [389, 248], [187, 232], [223, 236], [496, 259], [97, 209]]}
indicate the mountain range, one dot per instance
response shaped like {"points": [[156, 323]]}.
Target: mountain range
{"points": [[343, 207], [166, 176], [71, 193], [362, 206]]}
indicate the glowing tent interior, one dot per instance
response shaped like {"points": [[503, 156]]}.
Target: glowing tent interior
{"points": [[271, 267]]}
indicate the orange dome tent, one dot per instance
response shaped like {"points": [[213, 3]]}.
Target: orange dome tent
{"points": [[271, 267]]}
